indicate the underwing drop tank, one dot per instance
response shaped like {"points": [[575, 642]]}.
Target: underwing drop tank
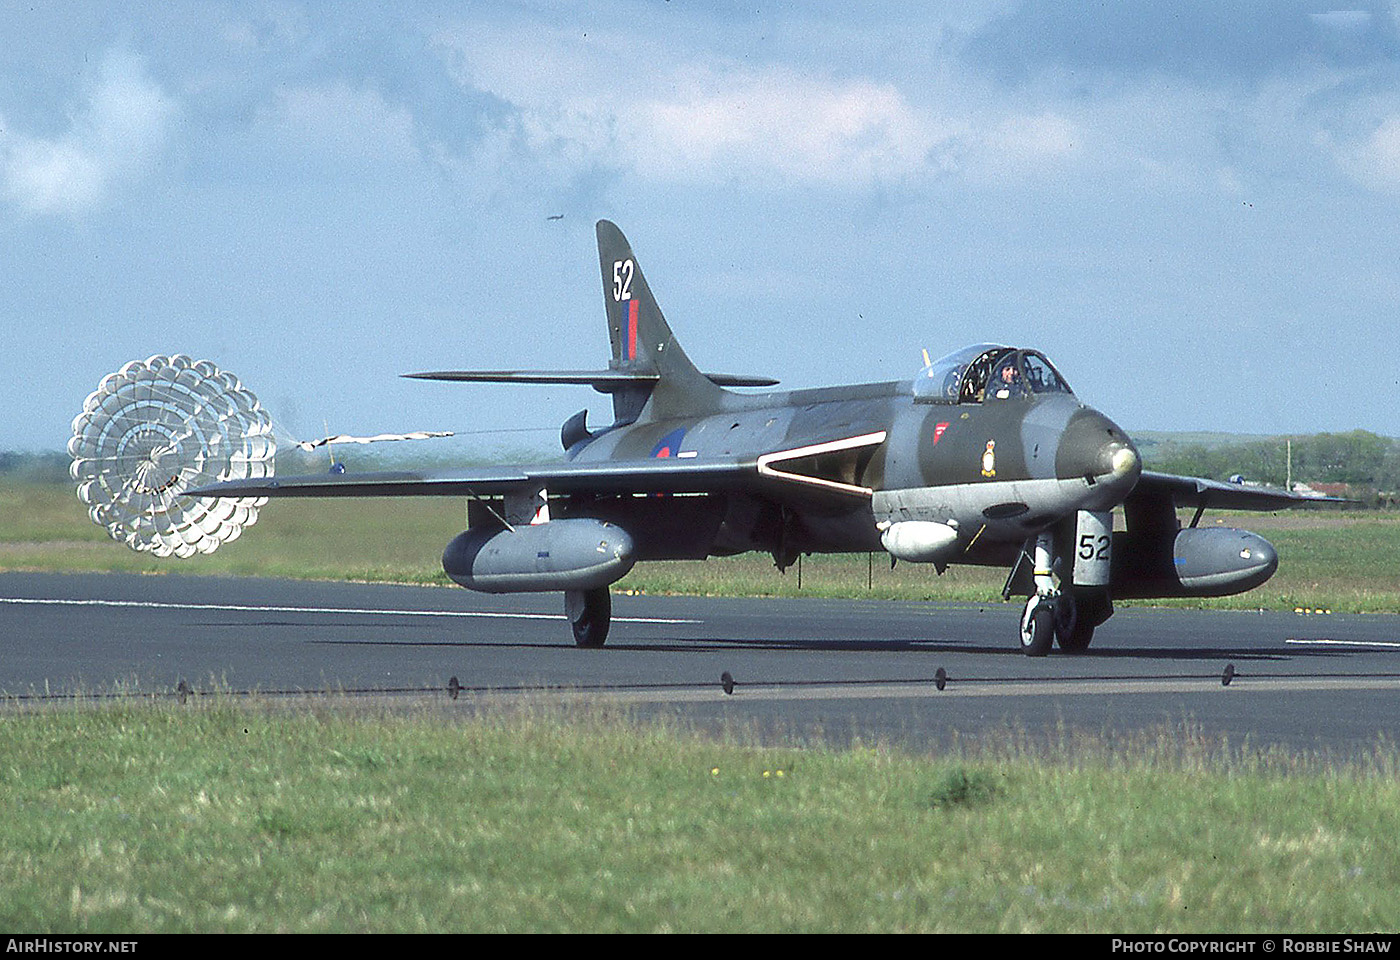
{"points": [[1218, 562], [1195, 562], [919, 541], [569, 554]]}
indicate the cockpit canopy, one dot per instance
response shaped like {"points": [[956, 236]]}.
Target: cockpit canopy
{"points": [[987, 372]]}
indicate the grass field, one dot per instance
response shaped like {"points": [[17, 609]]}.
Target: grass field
{"points": [[247, 817], [1338, 561]]}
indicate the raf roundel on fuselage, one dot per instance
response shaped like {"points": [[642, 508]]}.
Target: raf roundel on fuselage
{"points": [[986, 371]]}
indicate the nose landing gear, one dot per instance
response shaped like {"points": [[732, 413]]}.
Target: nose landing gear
{"points": [[1038, 620], [1038, 626], [1069, 615]]}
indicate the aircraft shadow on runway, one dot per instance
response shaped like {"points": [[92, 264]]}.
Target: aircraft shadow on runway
{"points": [[713, 645]]}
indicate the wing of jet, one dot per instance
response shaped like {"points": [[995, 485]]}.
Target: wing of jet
{"points": [[611, 477], [802, 474], [1200, 493]]}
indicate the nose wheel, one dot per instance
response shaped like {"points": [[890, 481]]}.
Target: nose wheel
{"points": [[1042, 609], [1038, 626]]}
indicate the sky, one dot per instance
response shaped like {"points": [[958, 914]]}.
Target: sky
{"points": [[1193, 208]]}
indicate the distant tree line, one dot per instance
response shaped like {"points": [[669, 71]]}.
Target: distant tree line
{"points": [[49, 467], [1362, 460]]}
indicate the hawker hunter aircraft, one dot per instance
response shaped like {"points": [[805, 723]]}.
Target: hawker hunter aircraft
{"points": [[985, 457]]}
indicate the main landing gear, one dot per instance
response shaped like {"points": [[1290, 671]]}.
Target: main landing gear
{"points": [[590, 614]]}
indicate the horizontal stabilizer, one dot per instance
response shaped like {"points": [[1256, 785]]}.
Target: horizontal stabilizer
{"points": [[604, 381], [739, 380], [309, 445]]}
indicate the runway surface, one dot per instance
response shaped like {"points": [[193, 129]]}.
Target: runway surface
{"points": [[836, 669]]}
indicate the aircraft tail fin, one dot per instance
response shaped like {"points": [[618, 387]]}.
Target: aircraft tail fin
{"points": [[642, 341]]}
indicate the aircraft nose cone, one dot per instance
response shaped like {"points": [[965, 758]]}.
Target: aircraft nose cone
{"points": [[1119, 458], [1096, 448]]}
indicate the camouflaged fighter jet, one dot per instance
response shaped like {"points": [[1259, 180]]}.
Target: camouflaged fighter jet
{"points": [[985, 457]]}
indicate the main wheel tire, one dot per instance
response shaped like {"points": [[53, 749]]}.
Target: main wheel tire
{"points": [[1092, 607], [1074, 625], [1037, 628], [590, 615], [1078, 639], [1066, 616]]}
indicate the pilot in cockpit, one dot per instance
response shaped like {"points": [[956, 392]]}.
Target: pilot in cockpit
{"points": [[986, 372], [1009, 375], [1006, 382]]}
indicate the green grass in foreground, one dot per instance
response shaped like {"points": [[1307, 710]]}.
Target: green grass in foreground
{"points": [[1340, 561], [223, 816]]}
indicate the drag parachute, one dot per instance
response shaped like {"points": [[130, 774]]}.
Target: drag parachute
{"points": [[157, 428]]}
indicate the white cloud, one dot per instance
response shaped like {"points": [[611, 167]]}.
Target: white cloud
{"points": [[116, 134], [1375, 160], [679, 119], [781, 126], [777, 125]]}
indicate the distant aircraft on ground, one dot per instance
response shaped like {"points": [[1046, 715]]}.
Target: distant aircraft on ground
{"points": [[985, 457]]}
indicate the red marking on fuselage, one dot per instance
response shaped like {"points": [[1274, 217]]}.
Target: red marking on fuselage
{"points": [[938, 432], [631, 329]]}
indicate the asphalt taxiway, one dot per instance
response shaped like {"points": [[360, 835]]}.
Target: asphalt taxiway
{"points": [[922, 674]]}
